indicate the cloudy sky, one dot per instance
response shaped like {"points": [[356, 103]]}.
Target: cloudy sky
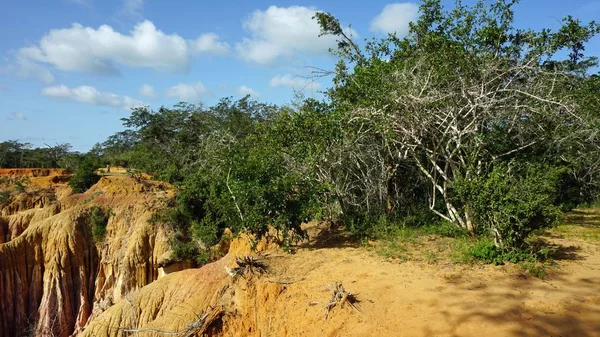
{"points": [[70, 69]]}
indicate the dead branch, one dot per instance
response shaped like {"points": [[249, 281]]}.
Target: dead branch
{"points": [[191, 329], [247, 265], [340, 297]]}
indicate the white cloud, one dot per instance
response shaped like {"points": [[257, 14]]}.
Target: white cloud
{"points": [[85, 49], [187, 92], [133, 8], [282, 32], [81, 2], [147, 90], [209, 43], [17, 116], [244, 90], [90, 95], [293, 82], [28, 69], [395, 18]]}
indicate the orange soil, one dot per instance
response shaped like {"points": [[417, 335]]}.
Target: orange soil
{"points": [[38, 177], [419, 299], [396, 298], [32, 172]]}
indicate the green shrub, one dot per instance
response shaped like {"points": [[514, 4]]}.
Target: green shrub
{"points": [[487, 252], [21, 184], [205, 231], [534, 259], [594, 203], [184, 242], [202, 257], [99, 221], [184, 250], [4, 198], [511, 202], [445, 229], [84, 177], [170, 216]]}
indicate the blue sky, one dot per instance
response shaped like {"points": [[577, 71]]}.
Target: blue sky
{"points": [[70, 69]]}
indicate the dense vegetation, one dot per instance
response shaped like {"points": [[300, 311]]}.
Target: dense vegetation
{"points": [[467, 122], [84, 175]]}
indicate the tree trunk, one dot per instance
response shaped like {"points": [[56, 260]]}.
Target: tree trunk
{"points": [[390, 185]]}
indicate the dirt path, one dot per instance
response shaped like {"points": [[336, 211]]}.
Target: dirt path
{"points": [[418, 299]]}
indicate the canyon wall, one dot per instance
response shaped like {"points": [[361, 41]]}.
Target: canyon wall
{"points": [[53, 275]]}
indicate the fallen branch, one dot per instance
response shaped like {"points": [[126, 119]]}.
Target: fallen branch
{"points": [[190, 329]]}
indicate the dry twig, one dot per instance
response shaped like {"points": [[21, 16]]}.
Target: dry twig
{"points": [[247, 265], [340, 297]]}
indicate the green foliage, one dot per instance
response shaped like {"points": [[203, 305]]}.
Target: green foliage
{"points": [[21, 184], [445, 229], [185, 250], [99, 220], [486, 251], [412, 100], [535, 260], [4, 198], [383, 227], [512, 201], [14, 154], [202, 257], [205, 231], [414, 136], [71, 161], [184, 242], [84, 177]]}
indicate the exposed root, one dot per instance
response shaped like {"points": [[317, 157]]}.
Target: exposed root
{"points": [[247, 265], [340, 297]]}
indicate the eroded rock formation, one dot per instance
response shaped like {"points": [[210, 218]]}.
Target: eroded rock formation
{"points": [[53, 275]]}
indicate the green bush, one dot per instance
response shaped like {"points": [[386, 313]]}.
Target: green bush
{"points": [[99, 221], [485, 250], [511, 202], [84, 177], [205, 231], [184, 243], [184, 250], [21, 184], [4, 198], [445, 229], [170, 216]]}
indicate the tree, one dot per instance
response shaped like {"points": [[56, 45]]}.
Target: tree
{"points": [[463, 92], [12, 153], [84, 177]]}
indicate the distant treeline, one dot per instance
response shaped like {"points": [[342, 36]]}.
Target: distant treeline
{"points": [[14, 154]]}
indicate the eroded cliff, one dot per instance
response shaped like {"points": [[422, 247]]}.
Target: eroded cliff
{"points": [[53, 274]]}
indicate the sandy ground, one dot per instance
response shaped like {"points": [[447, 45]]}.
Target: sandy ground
{"points": [[444, 299], [396, 297]]}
